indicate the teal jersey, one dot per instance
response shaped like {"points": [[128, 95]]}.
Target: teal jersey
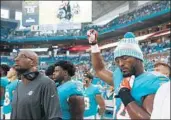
{"points": [[91, 105], [4, 83], [65, 91], [145, 84], [10, 88]]}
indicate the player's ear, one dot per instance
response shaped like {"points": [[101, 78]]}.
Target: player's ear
{"points": [[167, 74], [65, 73], [32, 63]]}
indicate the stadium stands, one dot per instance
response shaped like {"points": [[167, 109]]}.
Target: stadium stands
{"points": [[7, 27], [147, 12], [155, 47], [83, 61]]}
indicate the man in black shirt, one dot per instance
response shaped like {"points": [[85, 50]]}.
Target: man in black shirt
{"points": [[36, 96]]}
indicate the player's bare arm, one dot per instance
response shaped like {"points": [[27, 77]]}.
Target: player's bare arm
{"points": [[2, 92], [76, 105], [136, 111], [101, 104], [144, 112], [97, 60]]}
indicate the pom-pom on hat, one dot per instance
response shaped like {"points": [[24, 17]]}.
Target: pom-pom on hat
{"points": [[128, 46]]}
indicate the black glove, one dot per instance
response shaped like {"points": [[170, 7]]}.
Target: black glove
{"points": [[125, 95]]}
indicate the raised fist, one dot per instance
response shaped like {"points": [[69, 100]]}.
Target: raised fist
{"points": [[92, 36]]}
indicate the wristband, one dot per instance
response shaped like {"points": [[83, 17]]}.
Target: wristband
{"points": [[125, 96], [95, 48], [93, 43]]}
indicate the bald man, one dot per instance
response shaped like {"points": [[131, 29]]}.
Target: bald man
{"points": [[36, 96]]}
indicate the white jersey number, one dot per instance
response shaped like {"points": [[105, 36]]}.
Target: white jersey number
{"points": [[7, 100], [87, 103]]}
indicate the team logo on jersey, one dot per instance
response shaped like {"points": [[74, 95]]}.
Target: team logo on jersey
{"points": [[162, 78], [30, 92], [79, 86]]}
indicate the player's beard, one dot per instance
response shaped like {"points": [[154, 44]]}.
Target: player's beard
{"points": [[131, 72], [21, 70], [59, 79]]}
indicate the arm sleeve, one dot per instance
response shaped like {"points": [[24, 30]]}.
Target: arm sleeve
{"points": [[158, 82], [50, 103], [154, 84], [4, 82], [77, 89]]}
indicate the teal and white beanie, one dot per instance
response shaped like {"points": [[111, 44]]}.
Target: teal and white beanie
{"points": [[128, 46]]}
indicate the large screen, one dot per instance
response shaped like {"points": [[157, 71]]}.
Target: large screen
{"points": [[55, 12], [30, 13]]}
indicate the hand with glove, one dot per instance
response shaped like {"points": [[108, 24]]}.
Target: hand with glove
{"points": [[125, 88]]}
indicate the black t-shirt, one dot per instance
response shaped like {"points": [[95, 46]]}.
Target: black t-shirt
{"points": [[36, 100]]}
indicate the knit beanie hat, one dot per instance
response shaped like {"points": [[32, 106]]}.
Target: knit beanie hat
{"points": [[128, 46]]}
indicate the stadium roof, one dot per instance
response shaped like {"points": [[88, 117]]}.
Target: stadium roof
{"points": [[99, 9]]}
